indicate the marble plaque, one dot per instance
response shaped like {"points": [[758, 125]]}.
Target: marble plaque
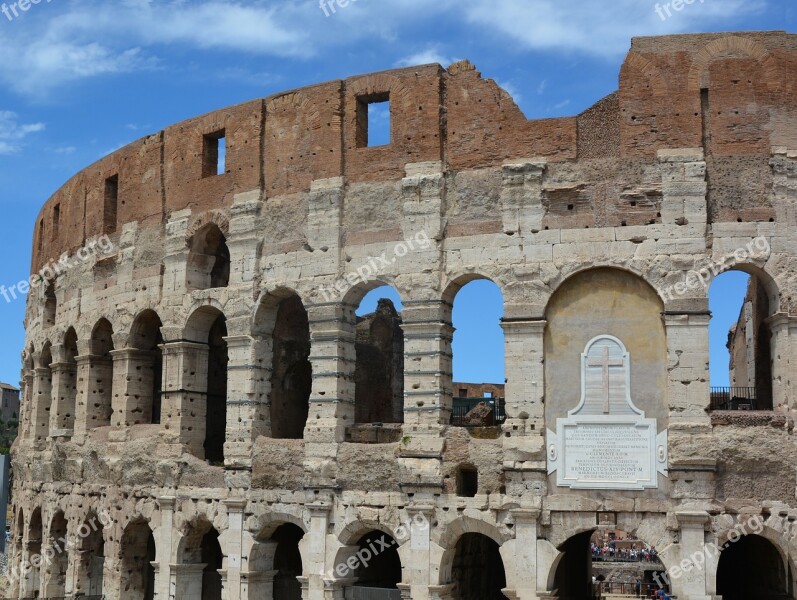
{"points": [[606, 442]]}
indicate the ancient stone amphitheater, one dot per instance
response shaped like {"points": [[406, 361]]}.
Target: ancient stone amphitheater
{"points": [[205, 417]]}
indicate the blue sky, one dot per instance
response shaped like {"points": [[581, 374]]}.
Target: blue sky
{"points": [[81, 78]]}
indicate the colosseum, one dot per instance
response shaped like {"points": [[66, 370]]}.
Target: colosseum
{"points": [[205, 416]]}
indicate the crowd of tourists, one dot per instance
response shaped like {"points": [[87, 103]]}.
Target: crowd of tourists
{"points": [[609, 551]]}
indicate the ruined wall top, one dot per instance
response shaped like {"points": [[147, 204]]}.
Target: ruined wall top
{"points": [[733, 94]]}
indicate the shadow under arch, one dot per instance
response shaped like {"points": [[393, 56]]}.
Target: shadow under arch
{"points": [[453, 532]]}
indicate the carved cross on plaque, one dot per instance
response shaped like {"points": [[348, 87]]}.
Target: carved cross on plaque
{"points": [[605, 361]]}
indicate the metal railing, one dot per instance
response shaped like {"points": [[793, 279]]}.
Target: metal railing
{"points": [[462, 406], [647, 590], [733, 398]]}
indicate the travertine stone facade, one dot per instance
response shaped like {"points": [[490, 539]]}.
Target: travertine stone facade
{"points": [[152, 435]]}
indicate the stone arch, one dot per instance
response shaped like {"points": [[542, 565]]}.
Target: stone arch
{"points": [[379, 353], [33, 579], [753, 565], [144, 396], [199, 558], [282, 318], [569, 272], [370, 555], [598, 302], [90, 576], [278, 553], [49, 306], [769, 283], [99, 404], [448, 536], [209, 258], [42, 402], [54, 584], [732, 45], [137, 553], [65, 385], [640, 64]]}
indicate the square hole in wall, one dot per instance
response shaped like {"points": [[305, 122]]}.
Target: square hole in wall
{"points": [[214, 154], [374, 120]]}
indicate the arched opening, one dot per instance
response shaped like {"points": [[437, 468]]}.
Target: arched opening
{"points": [[378, 566], [478, 570], [209, 259], [67, 384], [50, 306], [478, 354], [43, 394], [101, 384], [573, 575], [91, 551], [595, 304], [624, 565], [287, 562], [379, 350], [213, 560], [752, 567], [34, 549], [56, 568], [216, 415], [137, 555], [740, 343], [145, 336], [292, 374]]}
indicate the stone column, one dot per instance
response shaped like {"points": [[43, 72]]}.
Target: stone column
{"points": [[692, 584], [175, 261], [244, 238], [156, 574], [26, 406], [524, 564], [428, 360], [257, 585], [688, 381], [247, 406], [685, 187], [524, 336], [134, 379], [781, 326], [94, 393], [64, 391], [333, 359], [521, 196], [334, 589], [441, 592], [232, 541], [417, 575], [163, 545], [314, 560], [186, 581], [42, 399], [185, 394]]}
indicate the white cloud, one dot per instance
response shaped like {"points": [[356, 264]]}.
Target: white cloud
{"points": [[12, 133], [510, 89], [425, 57], [541, 87], [69, 42], [596, 28]]}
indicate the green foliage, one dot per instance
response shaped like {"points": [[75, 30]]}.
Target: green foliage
{"points": [[8, 433]]}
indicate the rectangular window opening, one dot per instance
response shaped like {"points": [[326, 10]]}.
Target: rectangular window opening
{"points": [[374, 120], [111, 204], [56, 219], [41, 234], [214, 154]]}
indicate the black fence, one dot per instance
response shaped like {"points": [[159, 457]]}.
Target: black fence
{"points": [[462, 406], [734, 398]]}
